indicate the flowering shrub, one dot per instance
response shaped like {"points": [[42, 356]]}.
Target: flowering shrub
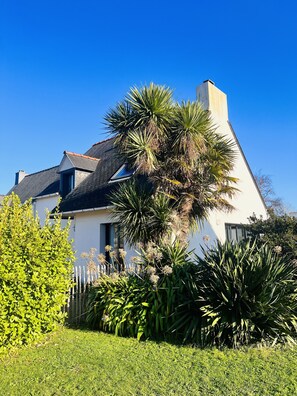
{"points": [[35, 271], [104, 264], [237, 294], [141, 303]]}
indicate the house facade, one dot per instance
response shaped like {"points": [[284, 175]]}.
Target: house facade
{"points": [[83, 182]]}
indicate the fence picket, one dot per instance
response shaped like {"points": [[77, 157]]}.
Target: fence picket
{"points": [[75, 306], [82, 278]]}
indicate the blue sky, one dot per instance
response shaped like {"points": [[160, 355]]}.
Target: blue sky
{"points": [[63, 64]]}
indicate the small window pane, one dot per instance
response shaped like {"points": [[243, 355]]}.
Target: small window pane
{"points": [[67, 183], [123, 172], [235, 232], [112, 234]]}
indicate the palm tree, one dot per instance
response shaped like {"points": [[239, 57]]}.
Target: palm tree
{"points": [[186, 163]]}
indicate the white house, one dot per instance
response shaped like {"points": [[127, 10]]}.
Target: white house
{"points": [[84, 182]]}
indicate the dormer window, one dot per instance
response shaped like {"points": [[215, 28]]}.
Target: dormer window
{"points": [[75, 168], [125, 172], [67, 182]]}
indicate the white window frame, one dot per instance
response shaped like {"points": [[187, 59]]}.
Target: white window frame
{"points": [[114, 178]]}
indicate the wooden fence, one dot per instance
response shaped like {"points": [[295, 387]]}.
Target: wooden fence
{"points": [[83, 277], [76, 302]]}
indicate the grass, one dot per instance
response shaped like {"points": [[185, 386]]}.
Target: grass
{"points": [[78, 362]]}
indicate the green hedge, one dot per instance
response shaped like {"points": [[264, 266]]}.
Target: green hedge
{"points": [[35, 272]]}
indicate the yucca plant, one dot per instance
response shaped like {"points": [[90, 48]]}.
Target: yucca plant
{"points": [[246, 294], [144, 216], [176, 148]]}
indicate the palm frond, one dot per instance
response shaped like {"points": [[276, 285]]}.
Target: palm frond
{"points": [[131, 207], [191, 124], [120, 120], [140, 150], [153, 105], [144, 216]]}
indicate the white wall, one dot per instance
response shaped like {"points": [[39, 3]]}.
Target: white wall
{"points": [[42, 204], [248, 200], [203, 237], [87, 233]]}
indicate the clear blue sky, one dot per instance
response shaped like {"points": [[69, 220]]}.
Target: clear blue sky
{"points": [[63, 64]]}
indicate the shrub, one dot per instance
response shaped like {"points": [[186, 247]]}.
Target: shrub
{"points": [[236, 295], [35, 268], [277, 232], [246, 294], [142, 304], [119, 305]]}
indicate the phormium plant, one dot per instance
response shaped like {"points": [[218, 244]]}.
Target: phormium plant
{"points": [[246, 294]]}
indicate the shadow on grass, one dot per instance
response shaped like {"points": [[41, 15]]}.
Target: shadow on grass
{"points": [[176, 342]]}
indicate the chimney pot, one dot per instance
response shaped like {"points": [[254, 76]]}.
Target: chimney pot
{"points": [[210, 81]]}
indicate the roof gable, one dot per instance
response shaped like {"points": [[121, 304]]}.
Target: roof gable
{"points": [[94, 190], [65, 164], [100, 163], [78, 161]]}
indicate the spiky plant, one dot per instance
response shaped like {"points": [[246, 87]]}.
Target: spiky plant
{"points": [[144, 216], [246, 294], [178, 150]]}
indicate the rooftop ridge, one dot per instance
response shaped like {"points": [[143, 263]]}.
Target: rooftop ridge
{"points": [[43, 170], [103, 141], [81, 155]]}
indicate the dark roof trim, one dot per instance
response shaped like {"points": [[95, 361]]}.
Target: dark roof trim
{"points": [[43, 170], [74, 169], [102, 141]]}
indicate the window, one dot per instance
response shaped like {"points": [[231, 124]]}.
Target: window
{"points": [[67, 183], [112, 234], [123, 173], [235, 232]]}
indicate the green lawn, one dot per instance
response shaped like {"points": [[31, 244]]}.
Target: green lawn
{"points": [[77, 362]]}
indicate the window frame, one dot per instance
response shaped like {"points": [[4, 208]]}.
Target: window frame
{"points": [[112, 235], [115, 177], [66, 176], [238, 227]]}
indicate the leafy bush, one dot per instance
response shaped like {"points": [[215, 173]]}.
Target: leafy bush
{"points": [[278, 232], [246, 294], [118, 304], [236, 295], [35, 267], [142, 304]]}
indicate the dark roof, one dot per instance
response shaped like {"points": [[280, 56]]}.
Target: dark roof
{"points": [[101, 160], [38, 184], [81, 161], [94, 190], [102, 149]]}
